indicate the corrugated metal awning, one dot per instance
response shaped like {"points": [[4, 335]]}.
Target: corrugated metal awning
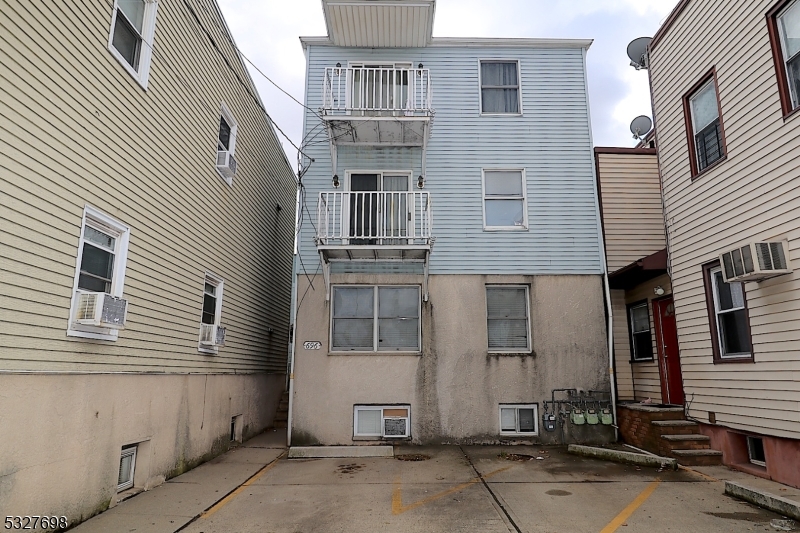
{"points": [[379, 23]]}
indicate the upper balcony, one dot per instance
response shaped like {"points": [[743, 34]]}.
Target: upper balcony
{"points": [[378, 105]]}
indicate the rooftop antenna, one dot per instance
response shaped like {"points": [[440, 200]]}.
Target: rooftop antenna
{"points": [[637, 51], [640, 127]]}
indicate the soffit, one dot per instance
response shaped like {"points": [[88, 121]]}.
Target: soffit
{"points": [[379, 23]]}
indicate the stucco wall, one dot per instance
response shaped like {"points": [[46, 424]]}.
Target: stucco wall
{"points": [[455, 386], [62, 434]]}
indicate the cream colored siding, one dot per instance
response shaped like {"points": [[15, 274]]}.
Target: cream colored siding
{"points": [[633, 221], [754, 195], [77, 129], [644, 376]]}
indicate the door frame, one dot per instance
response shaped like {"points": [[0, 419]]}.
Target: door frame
{"points": [[380, 174], [663, 371]]}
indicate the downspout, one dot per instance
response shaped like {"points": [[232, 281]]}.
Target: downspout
{"points": [[603, 262], [292, 345]]}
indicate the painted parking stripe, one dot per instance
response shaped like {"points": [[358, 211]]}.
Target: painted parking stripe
{"points": [[631, 508]]}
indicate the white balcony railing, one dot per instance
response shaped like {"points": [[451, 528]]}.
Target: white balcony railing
{"points": [[377, 91], [396, 218]]}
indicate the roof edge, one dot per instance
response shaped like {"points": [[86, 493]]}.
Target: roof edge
{"points": [[620, 150], [673, 16], [478, 42]]}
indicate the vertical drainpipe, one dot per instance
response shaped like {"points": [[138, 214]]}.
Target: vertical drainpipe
{"points": [[603, 261], [292, 345]]}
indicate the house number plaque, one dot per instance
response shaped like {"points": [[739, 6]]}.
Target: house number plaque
{"points": [[312, 345]]}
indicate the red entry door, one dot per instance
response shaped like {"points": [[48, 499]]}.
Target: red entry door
{"points": [[669, 362]]}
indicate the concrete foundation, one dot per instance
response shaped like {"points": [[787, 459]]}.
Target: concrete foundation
{"points": [[454, 386], [63, 434]]}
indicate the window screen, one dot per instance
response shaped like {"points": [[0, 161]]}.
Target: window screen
{"points": [[398, 318], [507, 315], [376, 318], [368, 422], [504, 199], [353, 318]]}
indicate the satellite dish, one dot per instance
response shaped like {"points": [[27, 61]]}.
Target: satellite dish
{"points": [[637, 51], [641, 126]]}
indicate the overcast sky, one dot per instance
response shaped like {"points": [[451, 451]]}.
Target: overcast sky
{"points": [[267, 32]]}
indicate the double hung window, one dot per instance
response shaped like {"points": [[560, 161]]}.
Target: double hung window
{"points": [[226, 145], [376, 319], [127, 467], [507, 319], [100, 268], [641, 338], [504, 200], [131, 38], [212, 335], [730, 326], [784, 22], [707, 139], [500, 88]]}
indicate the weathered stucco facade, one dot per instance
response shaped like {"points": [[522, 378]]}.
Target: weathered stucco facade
{"points": [[454, 386]]}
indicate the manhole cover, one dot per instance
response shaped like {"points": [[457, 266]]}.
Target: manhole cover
{"points": [[412, 457]]}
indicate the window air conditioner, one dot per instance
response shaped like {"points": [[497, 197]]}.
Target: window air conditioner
{"points": [[226, 164], [756, 261], [212, 335], [100, 310], [395, 427]]}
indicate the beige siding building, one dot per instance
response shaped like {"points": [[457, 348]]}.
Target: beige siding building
{"points": [[725, 91], [633, 225], [141, 185]]}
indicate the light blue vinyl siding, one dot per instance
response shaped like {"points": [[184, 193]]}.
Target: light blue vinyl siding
{"points": [[551, 141]]}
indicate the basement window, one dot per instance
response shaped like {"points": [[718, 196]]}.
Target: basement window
{"points": [[755, 451], [382, 421], [127, 465], [519, 419]]}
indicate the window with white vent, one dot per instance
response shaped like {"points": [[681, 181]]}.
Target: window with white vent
{"points": [[131, 38], [226, 145], [520, 419], [127, 467], [728, 315], [212, 334], [99, 277], [382, 421]]}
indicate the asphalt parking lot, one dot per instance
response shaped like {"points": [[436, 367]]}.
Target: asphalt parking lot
{"points": [[453, 489]]}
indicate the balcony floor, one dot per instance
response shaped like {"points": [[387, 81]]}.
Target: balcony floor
{"points": [[357, 129], [411, 252]]}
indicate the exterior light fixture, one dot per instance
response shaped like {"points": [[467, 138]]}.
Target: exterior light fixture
{"points": [[659, 291], [420, 182], [336, 181]]}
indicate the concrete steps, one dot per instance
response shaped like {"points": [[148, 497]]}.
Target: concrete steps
{"points": [[282, 416], [698, 457]]}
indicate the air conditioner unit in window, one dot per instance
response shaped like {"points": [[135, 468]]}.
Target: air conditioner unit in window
{"points": [[100, 310], [226, 164], [756, 261], [212, 335], [395, 427]]}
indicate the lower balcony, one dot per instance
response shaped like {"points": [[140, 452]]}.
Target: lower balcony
{"points": [[376, 226]]}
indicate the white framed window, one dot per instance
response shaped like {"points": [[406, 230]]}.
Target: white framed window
{"points": [[755, 451], [505, 200], [226, 144], [133, 24], [100, 267], [376, 319], [519, 419], [127, 467], [384, 421], [508, 318], [500, 87], [211, 316], [730, 313]]}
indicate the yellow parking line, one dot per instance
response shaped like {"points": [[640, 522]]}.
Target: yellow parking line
{"points": [[397, 494], [629, 510], [252, 479], [693, 471]]}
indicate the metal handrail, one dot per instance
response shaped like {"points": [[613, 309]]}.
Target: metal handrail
{"points": [[399, 91], [374, 218]]}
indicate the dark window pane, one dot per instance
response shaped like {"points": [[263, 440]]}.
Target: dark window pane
{"points": [[224, 134], [794, 79], [709, 145], [526, 422], [642, 345], [734, 333], [93, 284], [209, 309], [127, 41], [97, 262]]}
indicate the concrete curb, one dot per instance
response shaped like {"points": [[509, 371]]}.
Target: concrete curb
{"points": [[321, 452], [623, 457], [763, 499]]}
